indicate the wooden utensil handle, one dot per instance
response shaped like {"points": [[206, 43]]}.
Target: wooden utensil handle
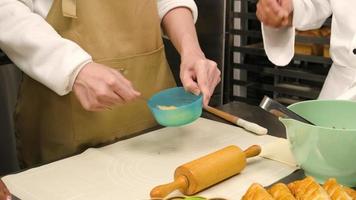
{"points": [[227, 116], [252, 151], [162, 191], [252, 127]]}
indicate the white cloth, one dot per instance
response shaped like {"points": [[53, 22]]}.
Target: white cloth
{"points": [[279, 150], [35, 47], [129, 169], [311, 14]]}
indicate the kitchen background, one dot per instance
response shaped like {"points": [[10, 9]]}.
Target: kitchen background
{"points": [[229, 34]]}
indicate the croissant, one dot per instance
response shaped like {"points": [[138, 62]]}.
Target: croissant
{"points": [[335, 190], [350, 192], [257, 192], [308, 189], [280, 191]]}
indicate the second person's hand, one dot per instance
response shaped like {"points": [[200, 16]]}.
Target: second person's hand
{"points": [[99, 87], [275, 13]]}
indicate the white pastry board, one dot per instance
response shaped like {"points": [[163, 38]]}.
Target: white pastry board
{"points": [[129, 169]]}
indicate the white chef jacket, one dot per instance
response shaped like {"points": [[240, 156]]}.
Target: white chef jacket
{"points": [[311, 14], [38, 50]]}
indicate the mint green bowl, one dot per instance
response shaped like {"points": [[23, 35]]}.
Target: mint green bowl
{"points": [[328, 149]]}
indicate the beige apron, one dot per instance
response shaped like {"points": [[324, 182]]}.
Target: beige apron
{"points": [[122, 34]]}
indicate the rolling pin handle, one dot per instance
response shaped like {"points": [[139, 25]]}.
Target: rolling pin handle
{"points": [[252, 151], [162, 191]]}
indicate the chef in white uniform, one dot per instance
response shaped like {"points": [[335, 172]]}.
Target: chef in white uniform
{"points": [[58, 43], [279, 20], [35, 47]]}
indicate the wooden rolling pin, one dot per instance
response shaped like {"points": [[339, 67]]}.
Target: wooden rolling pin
{"points": [[206, 171], [255, 128]]}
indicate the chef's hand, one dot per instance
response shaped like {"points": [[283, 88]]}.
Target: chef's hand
{"points": [[199, 75], [275, 13], [99, 87], [4, 192]]}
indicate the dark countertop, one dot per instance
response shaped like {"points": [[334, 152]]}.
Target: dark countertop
{"points": [[253, 114], [257, 115]]}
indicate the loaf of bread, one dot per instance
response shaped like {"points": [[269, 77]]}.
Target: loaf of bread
{"points": [[257, 192], [335, 190], [305, 189], [350, 192], [308, 189], [313, 48], [280, 191]]}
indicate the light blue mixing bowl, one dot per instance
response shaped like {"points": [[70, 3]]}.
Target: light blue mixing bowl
{"points": [[329, 148], [188, 107]]}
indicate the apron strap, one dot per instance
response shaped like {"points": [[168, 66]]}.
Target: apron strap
{"points": [[69, 8]]}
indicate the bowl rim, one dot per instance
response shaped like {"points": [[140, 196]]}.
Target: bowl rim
{"points": [[200, 97], [322, 127]]}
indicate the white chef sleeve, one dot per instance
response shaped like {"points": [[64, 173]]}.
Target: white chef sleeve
{"points": [[37, 49], [310, 14], [164, 6]]}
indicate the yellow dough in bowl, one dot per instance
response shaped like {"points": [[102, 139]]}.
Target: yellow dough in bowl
{"points": [[166, 107]]}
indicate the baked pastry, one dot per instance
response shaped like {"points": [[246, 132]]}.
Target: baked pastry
{"points": [[335, 190], [308, 189], [257, 192], [280, 191], [350, 192]]}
